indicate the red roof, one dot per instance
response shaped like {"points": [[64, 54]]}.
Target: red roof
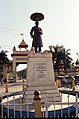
{"points": [[23, 44]]}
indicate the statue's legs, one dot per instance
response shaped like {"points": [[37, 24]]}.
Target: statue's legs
{"points": [[39, 49], [35, 49]]}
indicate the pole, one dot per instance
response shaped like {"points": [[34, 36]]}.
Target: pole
{"points": [[37, 104], [73, 85], [23, 84], [0, 107], [6, 86]]}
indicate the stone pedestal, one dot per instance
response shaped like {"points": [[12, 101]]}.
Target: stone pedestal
{"points": [[40, 76]]}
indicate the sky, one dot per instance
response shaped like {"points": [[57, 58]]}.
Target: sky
{"points": [[60, 24]]}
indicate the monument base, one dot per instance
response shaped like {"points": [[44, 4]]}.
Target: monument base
{"points": [[40, 76]]}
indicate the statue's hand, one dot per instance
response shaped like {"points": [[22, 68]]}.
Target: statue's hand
{"points": [[32, 36], [40, 31]]}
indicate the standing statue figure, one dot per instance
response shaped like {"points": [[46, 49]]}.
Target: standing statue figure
{"points": [[36, 33]]}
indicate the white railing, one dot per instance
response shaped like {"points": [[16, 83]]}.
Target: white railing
{"points": [[75, 104], [21, 106]]}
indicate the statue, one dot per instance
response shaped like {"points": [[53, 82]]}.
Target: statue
{"points": [[36, 32]]}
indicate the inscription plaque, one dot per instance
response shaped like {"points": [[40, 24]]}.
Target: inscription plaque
{"points": [[41, 70]]}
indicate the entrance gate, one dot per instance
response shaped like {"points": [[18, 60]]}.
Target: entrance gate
{"points": [[19, 57]]}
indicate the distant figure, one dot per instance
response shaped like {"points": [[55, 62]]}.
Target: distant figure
{"points": [[36, 33]]}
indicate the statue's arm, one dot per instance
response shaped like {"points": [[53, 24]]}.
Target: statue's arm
{"points": [[31, 33], [40, 31]]}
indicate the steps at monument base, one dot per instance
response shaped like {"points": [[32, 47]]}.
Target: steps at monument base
{"points": [[41, 82], [42, 88], [46, 92], [52, 98], [52, 94]]}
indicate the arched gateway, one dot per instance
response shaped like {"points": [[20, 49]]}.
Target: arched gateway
{"points": [[19, 57]]}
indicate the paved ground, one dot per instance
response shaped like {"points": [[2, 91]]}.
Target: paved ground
{"points": [[18, 86], [70, 89], [12, 87]]}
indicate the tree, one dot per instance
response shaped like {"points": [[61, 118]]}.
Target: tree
{"points": [[3, 60], [22, 73], [59, 53], [3, 57]]}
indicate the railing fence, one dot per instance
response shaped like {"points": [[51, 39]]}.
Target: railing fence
{"points": [[21, 106]]}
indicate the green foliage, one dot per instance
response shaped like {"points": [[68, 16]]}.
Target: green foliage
{"points": [[3, 57], [22, 73], [3, 60], [59, 53], [10, 75]]}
